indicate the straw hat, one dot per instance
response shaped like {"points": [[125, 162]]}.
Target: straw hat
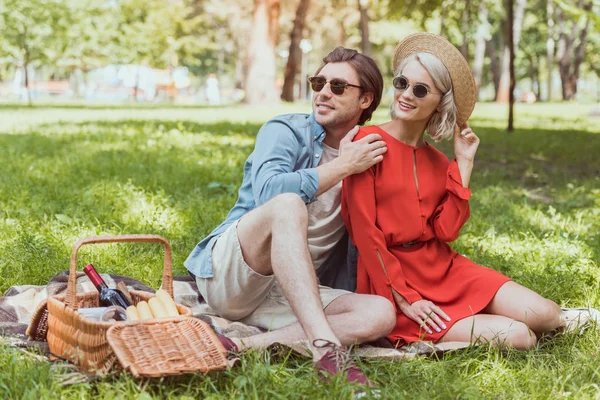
{"points": [[463, 83]]}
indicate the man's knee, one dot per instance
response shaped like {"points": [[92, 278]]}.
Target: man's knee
{"points": [[288, 205], [386, 314], [379, 316]]}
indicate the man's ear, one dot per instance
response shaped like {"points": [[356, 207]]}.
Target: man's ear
{"points": [[365, 100]]}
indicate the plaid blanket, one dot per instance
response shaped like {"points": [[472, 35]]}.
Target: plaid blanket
{"points": [[19, 305]]}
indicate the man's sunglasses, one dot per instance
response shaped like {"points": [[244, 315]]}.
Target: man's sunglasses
{"points": [[337, 85], [419, 90]]}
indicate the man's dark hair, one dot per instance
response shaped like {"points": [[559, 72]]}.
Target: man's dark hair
{"points": [[369, 76]]}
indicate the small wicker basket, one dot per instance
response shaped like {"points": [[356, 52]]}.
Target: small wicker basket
{"points": [[83, 341], [168, 346]]}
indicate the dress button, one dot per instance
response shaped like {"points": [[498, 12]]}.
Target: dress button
{"points": [[317, 156]]}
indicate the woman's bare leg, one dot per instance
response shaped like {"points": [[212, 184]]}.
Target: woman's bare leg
{"points": [[497, 330], [522, 304]]}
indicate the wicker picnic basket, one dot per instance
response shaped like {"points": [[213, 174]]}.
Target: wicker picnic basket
{"points": [[84, 342], [180, 346]]}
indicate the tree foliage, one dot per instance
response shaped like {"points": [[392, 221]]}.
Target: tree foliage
{"points": [[558, 37], [33, 32]]}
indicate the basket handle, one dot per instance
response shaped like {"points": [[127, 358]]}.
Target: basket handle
{"points": [[167, 278]]}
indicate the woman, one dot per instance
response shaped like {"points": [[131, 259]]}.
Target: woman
{"points": [[402, 212]]}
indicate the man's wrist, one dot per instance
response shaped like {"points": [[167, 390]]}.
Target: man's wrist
{"points": [[341, 168]]}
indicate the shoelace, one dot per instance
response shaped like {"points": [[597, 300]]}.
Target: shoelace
{"points": [[340, 355]]}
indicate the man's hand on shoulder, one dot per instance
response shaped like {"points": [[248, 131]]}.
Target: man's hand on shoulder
{"points": [[360, 155]]}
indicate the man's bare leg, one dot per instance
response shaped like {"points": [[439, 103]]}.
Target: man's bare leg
{"points": [[354, 318], [273, 241]]}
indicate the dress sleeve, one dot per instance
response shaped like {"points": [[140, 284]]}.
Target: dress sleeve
{"points": [[383, 269], [453, 212]]}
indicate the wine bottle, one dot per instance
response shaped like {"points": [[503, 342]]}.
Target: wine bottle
{"points": [[108, 296]]}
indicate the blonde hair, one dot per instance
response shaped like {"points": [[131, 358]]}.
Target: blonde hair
{"points": [[441, 124]]}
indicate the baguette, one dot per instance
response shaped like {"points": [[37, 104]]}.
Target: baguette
{"points": [[167, 302], [157, 308], [144, 310], [132, 313]]}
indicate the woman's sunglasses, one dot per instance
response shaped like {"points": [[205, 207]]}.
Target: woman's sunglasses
{"points": [[317, 83], [419, 90]]}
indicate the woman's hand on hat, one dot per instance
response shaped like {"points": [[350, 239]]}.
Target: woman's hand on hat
{"points": [[465, 142]]}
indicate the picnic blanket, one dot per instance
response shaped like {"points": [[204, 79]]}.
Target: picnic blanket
{"points": [[19, 304]]}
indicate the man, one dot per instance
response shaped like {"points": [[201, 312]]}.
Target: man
{"points": [[259, 265]]}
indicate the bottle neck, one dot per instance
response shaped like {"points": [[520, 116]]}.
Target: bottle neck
{"points": [[95, 277]]}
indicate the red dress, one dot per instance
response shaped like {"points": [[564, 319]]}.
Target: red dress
{"points": [[407, 229]]}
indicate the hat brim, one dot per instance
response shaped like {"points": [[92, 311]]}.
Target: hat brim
{"points": [[463, 82]]}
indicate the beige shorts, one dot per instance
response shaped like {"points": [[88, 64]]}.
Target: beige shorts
{"points": [[239, 293]]}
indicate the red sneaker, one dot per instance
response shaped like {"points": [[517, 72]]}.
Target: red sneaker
{"points": [[337, 360]]}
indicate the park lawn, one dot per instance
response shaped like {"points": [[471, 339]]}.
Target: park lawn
{"points": [[70, 172]]}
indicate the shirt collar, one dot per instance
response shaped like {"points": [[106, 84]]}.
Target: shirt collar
{"points": [[317, 130]]}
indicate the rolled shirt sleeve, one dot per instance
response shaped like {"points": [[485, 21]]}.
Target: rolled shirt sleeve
{"points": [[283, 161], [274, 162]]}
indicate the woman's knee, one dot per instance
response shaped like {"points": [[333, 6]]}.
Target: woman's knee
{"points": [[550, 314], [520, 336], [544, 316]]}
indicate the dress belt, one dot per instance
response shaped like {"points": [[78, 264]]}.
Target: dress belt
{"points": [[408, 244]]}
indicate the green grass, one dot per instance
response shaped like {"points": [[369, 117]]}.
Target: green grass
{"points": [[68, 172]]}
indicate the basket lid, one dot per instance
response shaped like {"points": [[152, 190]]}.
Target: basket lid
{"points": [[167, 346]]}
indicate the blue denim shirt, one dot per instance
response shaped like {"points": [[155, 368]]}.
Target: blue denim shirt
{"points": [[287, 151]]}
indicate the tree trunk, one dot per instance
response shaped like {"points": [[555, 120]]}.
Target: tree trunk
{"points": [[580, 51], [482, 35], [531, 73], [25, 66], [538, 89], [295, 53], [494, 65], [137, 83], [260, 80], [570, 58], [511, 48], [76, 82], [85, 77], [221, 53], [341, 33], [517, 25], [443, 16], [240, 71], [550, 47], [464, 29], [562, 52], [365, 43]]}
